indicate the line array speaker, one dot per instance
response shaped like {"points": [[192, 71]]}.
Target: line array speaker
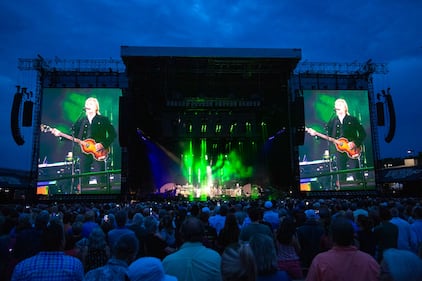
{"points": [[28, 107]]}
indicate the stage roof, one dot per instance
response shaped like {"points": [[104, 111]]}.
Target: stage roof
{"points": [[133, 51]]}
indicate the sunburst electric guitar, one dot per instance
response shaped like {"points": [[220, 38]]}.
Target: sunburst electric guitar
{"points": [[342, 144], [87, 146]]}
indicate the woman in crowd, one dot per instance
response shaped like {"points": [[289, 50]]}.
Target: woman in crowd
{"points": [[288, 249], [229, 235], [97, 252], [266, 258]]}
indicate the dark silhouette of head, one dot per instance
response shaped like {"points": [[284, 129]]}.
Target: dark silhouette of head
{"points": [[342, 231], [53, 238], [255, 214], [192, 230], [126, 248], [121, 218]]}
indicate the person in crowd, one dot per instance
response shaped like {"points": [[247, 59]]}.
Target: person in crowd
{"points": [[123, 254], [167, 230], [210, 234], [108, 222], [271, 216], [400, 265], [344, 261], [154, 244], [404, 241], [238, 264], [89, 223], [229, 235], [73, 236], [50, 263], [386, 233], [324, 215], [27, 239], [4, 247], [264, 251], [240, 213], [288, 249], [67, 222], [309, 235], [255, 226], [365, 236], [193, 261], [148, 269], [138, 227], [416, 231], [120, 229], [97, 251], [219, 218]]}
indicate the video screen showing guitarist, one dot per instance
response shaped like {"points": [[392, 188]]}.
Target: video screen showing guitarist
{"points": [[347, 134], [95, 134]]}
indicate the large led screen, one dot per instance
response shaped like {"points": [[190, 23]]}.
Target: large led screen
{"points": [[79, 151], [337, 153]]}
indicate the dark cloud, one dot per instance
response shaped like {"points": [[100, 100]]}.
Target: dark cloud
{"points": [[331, 31]]}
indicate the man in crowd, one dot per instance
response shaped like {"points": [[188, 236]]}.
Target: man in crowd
{"points": [[193, 261]]}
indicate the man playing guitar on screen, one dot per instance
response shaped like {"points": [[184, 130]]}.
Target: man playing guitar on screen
{"points": [[96, 134], [347, 134]]}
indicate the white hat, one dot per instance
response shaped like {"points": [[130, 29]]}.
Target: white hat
{"points": [[148, 269]]}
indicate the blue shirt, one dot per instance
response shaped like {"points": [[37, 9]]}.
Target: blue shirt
{"points": [[404, 239], [49, 266], [416, 234], [194, 262]]}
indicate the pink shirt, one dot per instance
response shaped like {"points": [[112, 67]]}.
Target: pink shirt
{"points": [[343, 263]]}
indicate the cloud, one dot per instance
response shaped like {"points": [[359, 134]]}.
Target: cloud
{"points": [[386, 31]]}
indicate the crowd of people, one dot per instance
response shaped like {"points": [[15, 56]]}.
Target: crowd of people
{"points": [[279, 239]]}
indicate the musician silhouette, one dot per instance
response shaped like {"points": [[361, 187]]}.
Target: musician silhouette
{"points": [[95, 134], [348, 129]]}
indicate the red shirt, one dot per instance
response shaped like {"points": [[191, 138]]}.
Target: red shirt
{"points": [[343, 263]]}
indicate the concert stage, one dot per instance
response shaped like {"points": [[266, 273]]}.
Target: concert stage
{"points": [[209, 120]]}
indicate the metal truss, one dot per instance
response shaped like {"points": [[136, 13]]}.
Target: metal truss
{"points": [[359, 68], [112, 65]]}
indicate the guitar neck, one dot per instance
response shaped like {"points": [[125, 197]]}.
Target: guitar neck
{"points": [[70, 138], [333, 140]]}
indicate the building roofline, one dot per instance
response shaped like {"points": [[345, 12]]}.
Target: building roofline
{"points": [[150, 51]]}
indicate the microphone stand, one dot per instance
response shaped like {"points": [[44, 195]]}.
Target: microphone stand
{"points": [[73, 159], [333, 183], [78, 188]]}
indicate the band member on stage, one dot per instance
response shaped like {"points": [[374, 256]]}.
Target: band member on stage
{"points": [[347, 134], [101, 133], [344, 125]]}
